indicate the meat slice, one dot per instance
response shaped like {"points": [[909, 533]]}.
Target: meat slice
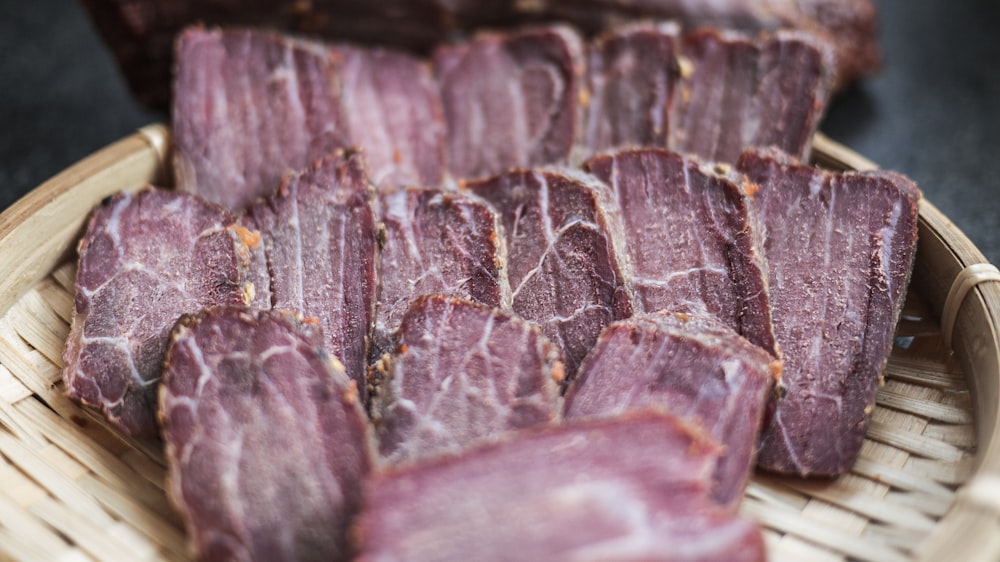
{"points": [[442, 242], [692, 241], [251, 106], [145, 259], [319, 240], [741, 91], [565, 255], [631, 76], [626, 489], [690, 366], [510, 100], [840, 248], [248, 108], [266, 442], [462, 373], [393, 112]]}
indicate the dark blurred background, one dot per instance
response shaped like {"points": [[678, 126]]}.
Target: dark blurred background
{"points": [[933, 113]]}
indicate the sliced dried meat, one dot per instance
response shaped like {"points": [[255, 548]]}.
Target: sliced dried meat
{"points": [[510, 100], [741, 91], [691, 239], [393, 112], [565, 255], [462, 373], [626, 489], [145, 259], [319, 241], [437, 242], [691, 366], [840, 248], [631, 76], [250, 107], [266, 442]]}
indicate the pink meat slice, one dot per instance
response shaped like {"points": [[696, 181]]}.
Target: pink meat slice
{"points": [[691, 238], [631, 76], [438, 242], [633, 488], [566, 259], [740, 91], [510, 100], [462, 373], [840, 249], [145, 259], [691, 366], [319, 243], [266, 441]]}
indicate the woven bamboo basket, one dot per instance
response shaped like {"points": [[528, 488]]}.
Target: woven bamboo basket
{"points": [[926, 487]]}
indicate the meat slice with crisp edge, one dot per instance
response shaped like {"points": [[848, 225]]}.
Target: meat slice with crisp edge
{"points": [[840, 249], [146, 259], [462, 373], [267, 444]]}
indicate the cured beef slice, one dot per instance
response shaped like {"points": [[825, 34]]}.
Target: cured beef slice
{"points": [[630, 79], [266, 442], [393, 112], [840, 248], [565, 255], [691, 238], [440, 242], [741, 92], [690, 366], [626, 489], [318, 239], [141, 32], [510, 100], [252, 106], [145, 259], [462, 373]]}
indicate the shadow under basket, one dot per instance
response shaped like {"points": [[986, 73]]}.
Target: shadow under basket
{"points": [[926, 486]]}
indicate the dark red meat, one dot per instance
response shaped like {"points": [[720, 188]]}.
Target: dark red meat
{"points": [[693, 367], [145, 259], [691, 238], [266, 441], [462, 373], [319, 241], [566, 255], [840, 249]]}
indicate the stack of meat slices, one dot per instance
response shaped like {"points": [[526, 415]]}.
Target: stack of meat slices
{"points": [[509, 301]]}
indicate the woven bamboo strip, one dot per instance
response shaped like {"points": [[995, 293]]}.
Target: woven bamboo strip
{"points": [[914, 442], [899, 478], [934, 410], [926, 373]]}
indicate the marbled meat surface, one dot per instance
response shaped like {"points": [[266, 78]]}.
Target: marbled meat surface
{"points": [[250, 107], [437, 241], [319, 242], [631, 76], [691, 239], [627, 489], [462, 373], [510, 100], [267, 444], [145, 259], [740, 91], [840, 248], [691, 366], [566, 261]]}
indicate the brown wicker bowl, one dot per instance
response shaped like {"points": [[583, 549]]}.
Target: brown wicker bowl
{"points": [[927, 484]]}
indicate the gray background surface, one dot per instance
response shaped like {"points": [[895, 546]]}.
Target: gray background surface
{"points": [[932, 113]]}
